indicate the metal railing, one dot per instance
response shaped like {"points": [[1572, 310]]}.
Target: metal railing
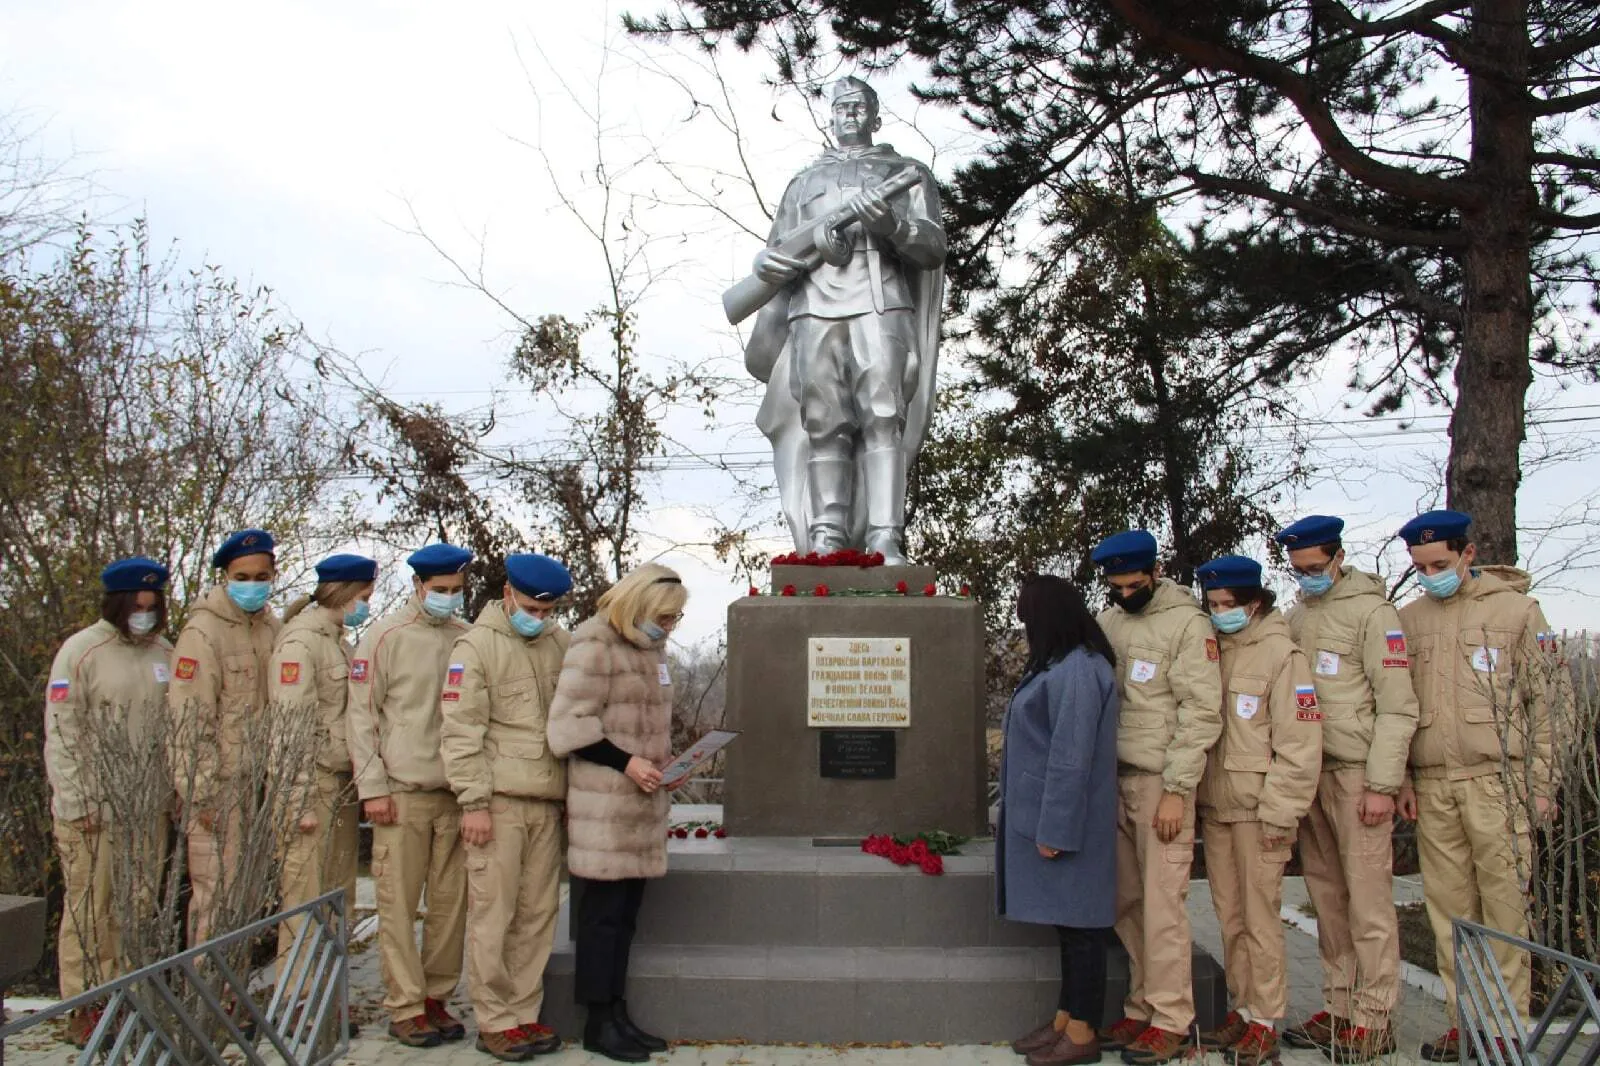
{"points": [[1492, 1026], [187, 1009]]}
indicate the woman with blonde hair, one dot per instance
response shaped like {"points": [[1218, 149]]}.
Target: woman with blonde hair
{"points": [[310, 674], [613, 712]]}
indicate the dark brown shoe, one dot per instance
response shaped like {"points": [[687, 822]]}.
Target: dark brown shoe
{"points": [[1038, 1039], [1445, 1049], [508, 1045], [448, 1026], [541, 1039], [1232, 1031], [1258, 1045], [1315, 1032], [1355, 1043], [1065, 1052], [415, 1032], [80, 1026]]}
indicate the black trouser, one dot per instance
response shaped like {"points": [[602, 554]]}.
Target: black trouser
{"points": [[1083, 973], [606, 914]]}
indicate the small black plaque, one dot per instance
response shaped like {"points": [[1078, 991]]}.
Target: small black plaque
{"points": [[857, 754]]}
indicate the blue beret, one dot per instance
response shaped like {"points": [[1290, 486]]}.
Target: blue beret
{"points": [[244, 542], [1230, 572], [1435, 525], [347, 568], [1125, 552], [438, 559], [136, 574], [1311, 531], [538, 576]]}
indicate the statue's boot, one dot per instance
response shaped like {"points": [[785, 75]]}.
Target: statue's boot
{"points": [[885, 470], [830, 483]]}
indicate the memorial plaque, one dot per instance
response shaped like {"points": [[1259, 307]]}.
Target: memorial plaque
{"points": [[859, 682], [857, 754]]}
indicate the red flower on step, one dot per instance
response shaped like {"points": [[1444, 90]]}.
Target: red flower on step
{"points": [[719, 832], [966, 590], [681, 833], [901, 587], [918, 851], [788, 590], [929, 589], [932, 865], [754, 591], [899, 854], [820, 590], [702, 833]]}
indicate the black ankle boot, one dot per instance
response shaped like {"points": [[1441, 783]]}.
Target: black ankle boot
{"points": [[603, 1035], [648, 1041]]}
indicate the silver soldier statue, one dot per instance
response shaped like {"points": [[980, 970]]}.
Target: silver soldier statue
{"points": [[847, 342]]}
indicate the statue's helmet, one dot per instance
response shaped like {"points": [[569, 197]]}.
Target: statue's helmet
{"points": [[853, 88]]}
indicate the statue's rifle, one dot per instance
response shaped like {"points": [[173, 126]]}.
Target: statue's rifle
{"points": [[813, 243]]}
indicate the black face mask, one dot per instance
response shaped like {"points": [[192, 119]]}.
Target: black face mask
{"points": [[1136, 601]]}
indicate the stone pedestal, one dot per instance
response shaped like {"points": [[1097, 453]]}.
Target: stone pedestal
{"points": [[22, 936], [774, 784]]}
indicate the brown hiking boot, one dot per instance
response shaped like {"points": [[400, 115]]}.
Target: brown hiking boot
{"points": [[1038, 1039], [1156, 1045], [448, 1025], [1232, 1031], [1122, 1033], [1065, 1051], [1315, 1032], [80, 1026], [415, 1032], [1357, 1043], [1258, 1045], [508, 1045], [1445, 1049], [541, 1039]]}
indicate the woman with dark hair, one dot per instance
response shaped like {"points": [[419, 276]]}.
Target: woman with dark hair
{"points": [[1259, 782], [106, 683], [1056, 842]]}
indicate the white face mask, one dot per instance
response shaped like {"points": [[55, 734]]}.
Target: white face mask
{"points": [[142, 623]]}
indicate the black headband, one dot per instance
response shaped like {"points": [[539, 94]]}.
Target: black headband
{"points": [[667, 581]]}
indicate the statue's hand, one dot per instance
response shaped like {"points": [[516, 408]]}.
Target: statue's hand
{"points": [[874, 212], [775, 268]]}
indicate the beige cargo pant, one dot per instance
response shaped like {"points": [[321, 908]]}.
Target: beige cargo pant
{"points": [[514, 883], [422, 849], [323, 859], [1152, 907], [213, 859], [88, 951], [1349, 871], [1247, 891], [1476, 854]]}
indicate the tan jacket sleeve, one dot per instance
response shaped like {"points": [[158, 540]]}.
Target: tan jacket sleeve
{"points": [[63, 737], [1389, 675], [194, 695], [463, 725], [1534, 666], [581, 695], [361, 722], [1292, 778], [1196, 678]]}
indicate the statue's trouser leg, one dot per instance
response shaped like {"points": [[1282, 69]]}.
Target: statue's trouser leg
{"points": [[822, 382], [883, 349]]}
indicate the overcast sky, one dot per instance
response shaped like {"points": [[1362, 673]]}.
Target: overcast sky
{"points": [[292, 143]]}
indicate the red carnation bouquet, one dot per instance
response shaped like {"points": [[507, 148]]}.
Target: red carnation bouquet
{"points": [[843, 557], [926, 851]]}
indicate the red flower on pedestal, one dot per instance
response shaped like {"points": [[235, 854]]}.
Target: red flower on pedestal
{"points": [[820, 590], [899, 854], [754, 591], [929, 590], [788, 590], [966, 590], [901, 587], [719, 832], [918, 851], [933, 864], [701, 833]]}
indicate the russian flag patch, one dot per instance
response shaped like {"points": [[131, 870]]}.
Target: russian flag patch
{"points": [[59, 689], [1305, 697], [1397, 641], [358, 670], [453, 675]]}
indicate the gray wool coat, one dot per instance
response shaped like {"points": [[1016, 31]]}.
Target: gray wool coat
{"points": [[1058, 787]]}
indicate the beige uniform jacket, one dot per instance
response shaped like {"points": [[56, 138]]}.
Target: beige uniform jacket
{"points": [[310, 673], [219, 680], [395, 678], [1481, 676], [98, 673], [1170, 686], [1268, 762], [495, 706], [1352, 637]]}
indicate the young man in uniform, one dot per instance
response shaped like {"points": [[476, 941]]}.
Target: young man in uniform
{"points": [[494, 705], [1480, 759], [1171, 715], [395, 679], [1350, 633]]}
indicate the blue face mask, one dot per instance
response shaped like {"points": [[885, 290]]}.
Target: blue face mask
{"points": [[1231, 620], [443, 604], [1440, 586], [250, 596], [652, 632], [526, 624], [1314, 585], [357, 614]]}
